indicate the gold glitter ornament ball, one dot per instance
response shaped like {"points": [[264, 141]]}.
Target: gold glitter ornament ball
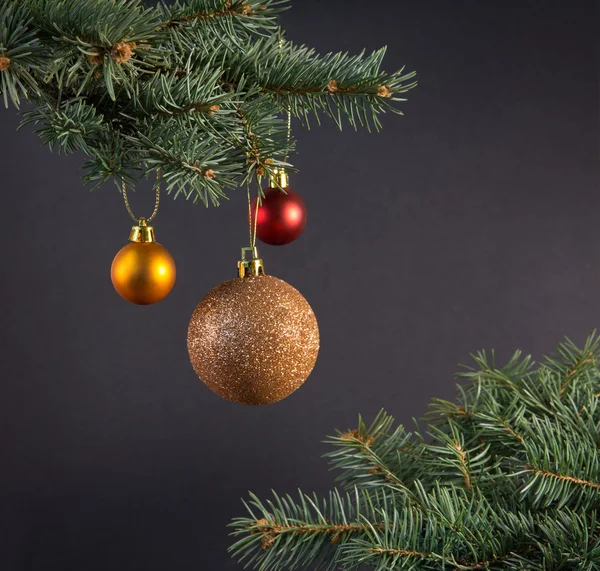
{"points": [[253, 340]]}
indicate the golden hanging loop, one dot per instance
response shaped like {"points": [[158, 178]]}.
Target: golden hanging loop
{"points": [[252, 227], [156, 203], [289, 134]]}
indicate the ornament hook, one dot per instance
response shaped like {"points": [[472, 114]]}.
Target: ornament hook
{"points": [[280, 179], [142, 232], [250, 265]]}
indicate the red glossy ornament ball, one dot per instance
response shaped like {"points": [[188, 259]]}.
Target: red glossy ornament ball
{"points": [[281, 216]]}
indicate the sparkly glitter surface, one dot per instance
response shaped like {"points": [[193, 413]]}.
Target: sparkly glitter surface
{"points": [[253, 340]]}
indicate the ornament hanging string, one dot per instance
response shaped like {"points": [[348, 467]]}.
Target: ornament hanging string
{"points": [[289, 113], [156, 203], [252, 227], [289, 134]]}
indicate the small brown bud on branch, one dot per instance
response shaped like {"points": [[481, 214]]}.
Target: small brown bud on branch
{"points": [[384, 91], [123, 51], [96, 59], [332, 87], [4, 63]]}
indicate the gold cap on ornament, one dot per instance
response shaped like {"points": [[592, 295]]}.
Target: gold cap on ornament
{"points": [[280, 179], [142, 232], [250, 265]]}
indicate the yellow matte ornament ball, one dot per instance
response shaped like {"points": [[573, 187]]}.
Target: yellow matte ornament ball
{"points": [[253, 340], [143, 272]]}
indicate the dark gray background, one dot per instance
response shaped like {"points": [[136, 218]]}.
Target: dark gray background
{"points": [[472, 222]]}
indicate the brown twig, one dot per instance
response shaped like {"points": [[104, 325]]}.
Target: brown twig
{"points": [[335, 531], [191, 108], [391, 552], [254, 157], [367, 441], [511, 431], [583, 360], [464, 463], [563, 477], [229, 11]]}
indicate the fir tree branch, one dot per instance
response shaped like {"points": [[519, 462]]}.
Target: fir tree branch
{"points": [[463, 463], [21, 55], [584, 359], [570, 362], [502, 422], [372, 456], [253, 15], [335, 532], [316, 528], [378, 466], [508, 480], [133, 86]]}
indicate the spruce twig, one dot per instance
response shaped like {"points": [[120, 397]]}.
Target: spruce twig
{"points": [[199, 88], [508, 479]]}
